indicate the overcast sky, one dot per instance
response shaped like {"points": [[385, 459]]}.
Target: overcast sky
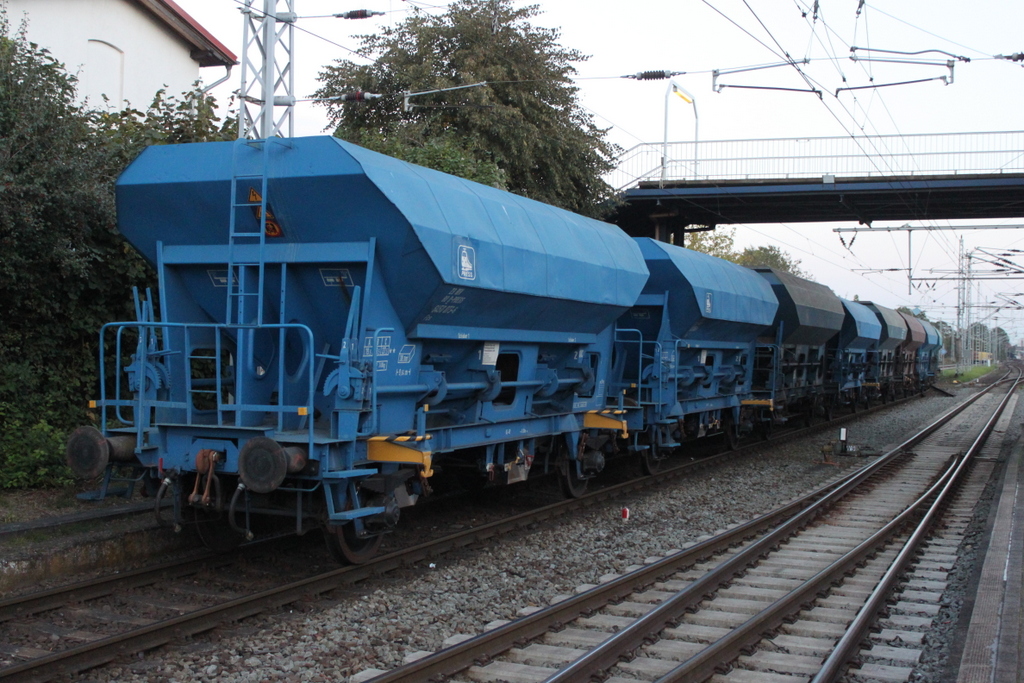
{"points": [[699, 36]]}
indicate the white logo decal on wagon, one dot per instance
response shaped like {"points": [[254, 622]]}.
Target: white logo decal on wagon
{"points": [[467, 263]]}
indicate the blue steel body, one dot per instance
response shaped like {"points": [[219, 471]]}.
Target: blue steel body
{"points": [[928, 355], [910, 351], [685, 351], [893, 333], [856, 355], [329, 297]]}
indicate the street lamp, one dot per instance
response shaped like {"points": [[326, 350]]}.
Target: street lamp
{"points": [[679, 90]]}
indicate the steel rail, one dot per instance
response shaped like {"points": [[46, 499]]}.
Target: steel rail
{"points": [[101, 651], [669, 612], [449, 661], [704, 664], [15, 529], [159, 633], [851, 641], [41, 601]]}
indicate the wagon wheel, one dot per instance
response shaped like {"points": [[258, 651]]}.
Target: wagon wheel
{"points": [[732, 438], [650, 462], [569, 481], [347, 548]]}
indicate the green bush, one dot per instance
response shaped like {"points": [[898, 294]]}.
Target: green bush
{"points": [[64, 268], [31, 456]]}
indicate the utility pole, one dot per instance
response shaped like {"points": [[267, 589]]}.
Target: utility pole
{"points": [[962, 307], [909, 229]]}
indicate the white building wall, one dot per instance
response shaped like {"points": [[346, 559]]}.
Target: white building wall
{"points": [[115, 48]]}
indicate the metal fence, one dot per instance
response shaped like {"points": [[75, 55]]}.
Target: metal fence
{"points": [[850, 156]]}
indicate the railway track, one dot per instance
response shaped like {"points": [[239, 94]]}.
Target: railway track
{"points": [[791, 593], [84, 625]]}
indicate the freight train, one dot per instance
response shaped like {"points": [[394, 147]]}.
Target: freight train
{"points": [[337, 332]]}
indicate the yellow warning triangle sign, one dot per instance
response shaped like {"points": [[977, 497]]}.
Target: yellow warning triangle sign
{"points": [[273, 228]]}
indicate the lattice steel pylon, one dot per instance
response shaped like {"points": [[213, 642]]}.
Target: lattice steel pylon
{"points": [[965, 354], [268, 79]]}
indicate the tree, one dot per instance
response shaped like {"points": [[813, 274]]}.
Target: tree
{"points": [[64, 268], [718, 242], [190, 117], [770, 256], [523, 130], [916, 313]]}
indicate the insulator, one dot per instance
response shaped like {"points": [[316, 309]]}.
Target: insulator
{"points": [[653, 75], [358, 14], [359, 96]]}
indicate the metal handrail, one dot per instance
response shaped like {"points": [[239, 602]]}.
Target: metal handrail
{"points": [[142, 404], [815, 157]]}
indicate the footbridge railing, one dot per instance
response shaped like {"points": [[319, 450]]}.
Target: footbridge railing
{"points": [[814, 157]]}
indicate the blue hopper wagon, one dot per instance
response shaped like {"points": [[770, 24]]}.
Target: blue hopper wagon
{"points": [[928, 354], [793, 359], [893, 334], [913, 346], [338, 334], [685, 352], [335, 326], [855, 354]]}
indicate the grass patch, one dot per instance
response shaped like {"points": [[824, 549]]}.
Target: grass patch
{"points": [[967, 375]]}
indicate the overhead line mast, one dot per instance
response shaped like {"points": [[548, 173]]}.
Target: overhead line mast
{"points": [[267, 94], [268, 79]]}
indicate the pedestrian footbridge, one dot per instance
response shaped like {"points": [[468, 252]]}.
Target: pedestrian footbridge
{"points": [[670, 187]]}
